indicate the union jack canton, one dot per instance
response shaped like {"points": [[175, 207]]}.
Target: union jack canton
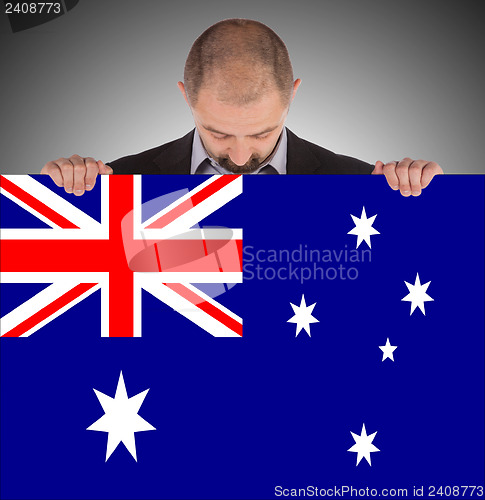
{"points": [[157, 246]]}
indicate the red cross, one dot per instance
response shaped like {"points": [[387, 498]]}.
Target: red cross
{"points": [[104, 256]]}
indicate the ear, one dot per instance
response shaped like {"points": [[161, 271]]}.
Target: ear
{"points": [[181, 87], [295, 87]]}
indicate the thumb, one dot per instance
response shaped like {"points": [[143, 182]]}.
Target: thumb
{"points": [[378, 168], [104, 169]]}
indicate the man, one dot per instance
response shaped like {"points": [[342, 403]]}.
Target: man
{"points": [[238, 83]]}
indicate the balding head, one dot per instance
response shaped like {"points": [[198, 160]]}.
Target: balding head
{"points": [[240, 61]]}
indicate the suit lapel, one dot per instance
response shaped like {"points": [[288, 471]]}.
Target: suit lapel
{"points": [[299, 158], [176, 158]]}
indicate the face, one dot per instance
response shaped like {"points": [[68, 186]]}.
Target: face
{"points": [[239, 138]]}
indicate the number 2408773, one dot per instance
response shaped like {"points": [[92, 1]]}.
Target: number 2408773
{"points": [[33, 8]]}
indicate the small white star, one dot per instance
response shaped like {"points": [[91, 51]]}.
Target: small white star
{"points": [[417, 295], [121, 419], [363, 445], [363, 228], [387, 350], [303, 316]]}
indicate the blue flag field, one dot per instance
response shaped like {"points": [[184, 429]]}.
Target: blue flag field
{"points": [[227, 337]]}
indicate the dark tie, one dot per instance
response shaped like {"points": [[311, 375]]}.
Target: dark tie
{"points": [[268, 170]]}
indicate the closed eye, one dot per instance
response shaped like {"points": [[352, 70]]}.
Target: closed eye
{"points": [[224, 136], [220, 137]]}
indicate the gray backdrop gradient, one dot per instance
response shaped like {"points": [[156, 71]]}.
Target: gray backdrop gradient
{"points": [[380, 80]]}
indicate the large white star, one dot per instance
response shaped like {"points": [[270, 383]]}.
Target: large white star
{"points": [[121, 419], [363, 445], [387, 350], [363, 228], [417, 295], [303, 316]]}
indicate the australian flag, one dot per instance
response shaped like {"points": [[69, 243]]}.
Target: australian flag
{"points": [[242, 337]]}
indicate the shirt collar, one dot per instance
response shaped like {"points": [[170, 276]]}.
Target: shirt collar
{"points": [[277, 159]]}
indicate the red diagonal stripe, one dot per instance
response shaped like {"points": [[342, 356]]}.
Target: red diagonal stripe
{"points": [[207, 307], [197, 198], [221, 316], [37, 205], [49, 310]]}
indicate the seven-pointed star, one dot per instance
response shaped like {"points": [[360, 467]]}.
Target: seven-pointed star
{"points": [[363, 228], [363, 445], [303, 316], [387, 350], [121, 419], [417, 295]]}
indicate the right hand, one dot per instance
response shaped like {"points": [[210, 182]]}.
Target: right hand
{"points": [[76, 174]]}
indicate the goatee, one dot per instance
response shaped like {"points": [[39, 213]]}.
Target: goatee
{"points": [[250, 166]]}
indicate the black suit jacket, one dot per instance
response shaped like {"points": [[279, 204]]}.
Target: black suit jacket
{"points": [[303, 157]]}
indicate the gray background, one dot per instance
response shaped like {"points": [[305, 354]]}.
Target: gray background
{"points": [[381, 80]]}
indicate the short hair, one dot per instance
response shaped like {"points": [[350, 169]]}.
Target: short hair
{"points": [[242, 59]]}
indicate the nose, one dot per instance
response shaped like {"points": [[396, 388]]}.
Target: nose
{"points": [[240, 153]]}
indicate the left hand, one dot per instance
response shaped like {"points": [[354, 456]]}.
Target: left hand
{"points": [[409, 176]]}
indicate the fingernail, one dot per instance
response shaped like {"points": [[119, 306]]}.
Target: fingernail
{"points": [[88, 186], [415, 193], [406, 192], [79, 191], [395, 187]]}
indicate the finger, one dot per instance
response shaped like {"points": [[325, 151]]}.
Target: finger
{"points": [[104, 169], [92, 170], [67, 171], [378, 168], [429, 171], [389, 170], [415, 171], [402, 172], [79, 174], [52, 169]]}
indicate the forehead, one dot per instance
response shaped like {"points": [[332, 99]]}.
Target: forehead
{"points": [[230, 119]]}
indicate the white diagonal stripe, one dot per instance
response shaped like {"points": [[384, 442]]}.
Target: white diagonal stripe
{"points": [[41, 300], [54, 201], [195, 214], [185, 307]]}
